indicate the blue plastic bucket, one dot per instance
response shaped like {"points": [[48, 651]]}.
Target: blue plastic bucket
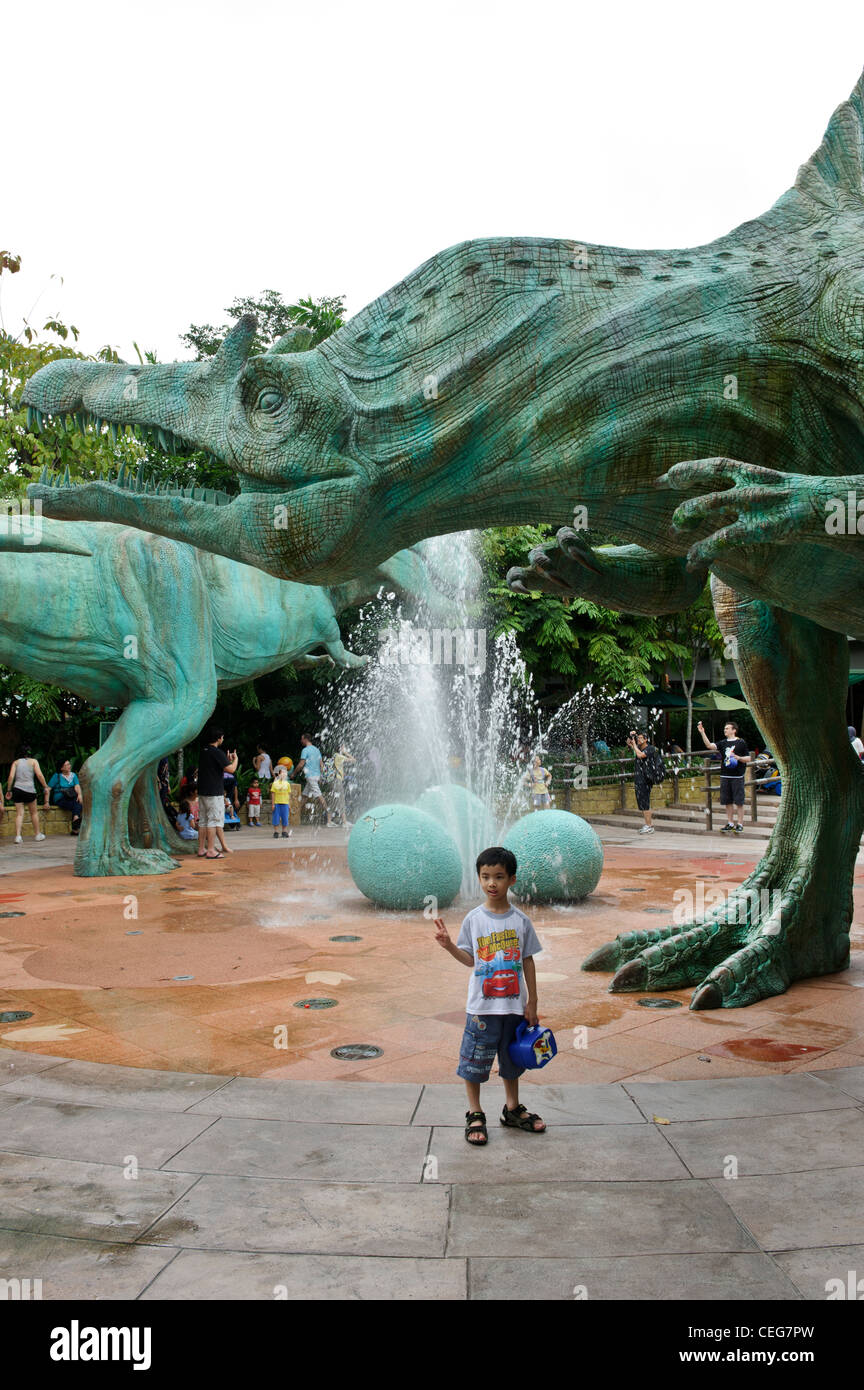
{"points": [[532, 1047]]}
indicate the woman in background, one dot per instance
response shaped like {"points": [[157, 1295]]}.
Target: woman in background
{"points": [[21, 788]]}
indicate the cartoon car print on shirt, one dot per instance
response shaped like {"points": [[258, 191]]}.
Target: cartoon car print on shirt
{"points": [[502, 974], [503, 984]]}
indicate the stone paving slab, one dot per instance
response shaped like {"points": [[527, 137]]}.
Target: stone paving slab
{"points": [[559, 1105], [337, 1102], [323, 1152], [790, 1210], [706, 1278], [51, 1196], [736, 1096], [307, 1218], [203, 1274], [593, 1218], [103, 1135], [590, 1153], [848, 1079], [14, 1063], [769, 1143], [81, 1269], [96, 1083], [341, 1207], [811, 1270]]}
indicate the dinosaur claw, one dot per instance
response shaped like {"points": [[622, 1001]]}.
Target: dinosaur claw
{"points": [[707, 996], [632, 976], [515, 580], [606, 957]]}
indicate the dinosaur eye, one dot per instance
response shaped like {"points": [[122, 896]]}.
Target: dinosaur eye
{"points": [[269, 401]]}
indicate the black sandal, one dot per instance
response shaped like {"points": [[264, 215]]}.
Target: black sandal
{"points": [[521, 1119], [476, 1129]]}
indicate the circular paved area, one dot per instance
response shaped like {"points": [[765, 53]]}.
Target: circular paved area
{"points": [[201, 969]]}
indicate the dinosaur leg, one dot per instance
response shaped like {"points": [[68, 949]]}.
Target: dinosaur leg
{"points": [[109, 777], [149, 827], [625, 577], [790, 917]]}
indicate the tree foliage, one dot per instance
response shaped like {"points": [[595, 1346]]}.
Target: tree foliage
{"points": [[570, 643], [319, 317]]}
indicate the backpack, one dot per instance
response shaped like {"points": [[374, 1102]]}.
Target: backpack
{"points": [[656, 769]]}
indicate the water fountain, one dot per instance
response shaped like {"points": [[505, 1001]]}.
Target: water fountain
{"points": [[444, 717]]}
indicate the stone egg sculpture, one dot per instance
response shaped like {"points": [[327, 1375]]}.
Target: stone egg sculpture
{"points": [[559, 857], [399, 856]]}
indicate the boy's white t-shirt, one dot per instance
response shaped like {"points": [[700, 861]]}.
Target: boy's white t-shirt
{"points": [[499, 942]]}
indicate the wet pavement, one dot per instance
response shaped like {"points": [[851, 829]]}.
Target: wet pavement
{"points": [[265, 962]]}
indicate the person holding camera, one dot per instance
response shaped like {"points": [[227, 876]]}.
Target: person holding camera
{"points": [[642, 780], [734, 759]]}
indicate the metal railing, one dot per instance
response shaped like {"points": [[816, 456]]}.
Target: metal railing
{"points": [[604, 771]]}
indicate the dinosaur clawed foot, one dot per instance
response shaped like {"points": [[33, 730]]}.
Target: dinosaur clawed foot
{"points": [[121, 861], [735, 957]]}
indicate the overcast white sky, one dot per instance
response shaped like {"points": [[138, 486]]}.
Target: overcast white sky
{"points": [[166, 157]]}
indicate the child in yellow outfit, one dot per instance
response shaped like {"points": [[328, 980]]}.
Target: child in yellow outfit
{"points": [[280, 793]]}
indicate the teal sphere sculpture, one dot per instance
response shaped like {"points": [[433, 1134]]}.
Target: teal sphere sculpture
{"points": [[559, 858], [462, 814], [398, 856]]}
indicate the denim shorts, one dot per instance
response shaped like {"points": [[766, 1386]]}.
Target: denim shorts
{"points": [[487, 1036]]}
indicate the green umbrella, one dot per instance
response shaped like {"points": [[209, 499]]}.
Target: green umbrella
{"points": [[712, 700]]}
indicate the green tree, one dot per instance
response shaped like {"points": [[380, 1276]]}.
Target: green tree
{"points": [[692, 635], [571, 642], [276, 319]]}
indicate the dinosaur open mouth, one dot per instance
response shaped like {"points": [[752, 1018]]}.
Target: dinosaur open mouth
{"points": [[132, 479]]}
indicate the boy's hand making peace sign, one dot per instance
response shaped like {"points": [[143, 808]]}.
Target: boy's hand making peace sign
{"points": [[442, 935]]}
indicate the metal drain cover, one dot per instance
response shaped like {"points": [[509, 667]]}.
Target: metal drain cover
{"points": [[316, 1003], [355, 1051], [11, 914], [632, 890], [346, 938], [659, 1003], [16, 1015], [664, 910]]}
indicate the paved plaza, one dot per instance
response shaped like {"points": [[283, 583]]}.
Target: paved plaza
{"points": [[207, 969], [176, 1138], [135, 1184]]}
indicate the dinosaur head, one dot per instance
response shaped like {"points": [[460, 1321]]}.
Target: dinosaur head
{"points": [[508, 380], [276, 420]]}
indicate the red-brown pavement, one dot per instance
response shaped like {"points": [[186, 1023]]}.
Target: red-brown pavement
{"points": [[202, 970]]}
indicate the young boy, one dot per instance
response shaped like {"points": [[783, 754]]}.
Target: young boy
{"points": [[280, 793], [499, 943], [253, 803]]}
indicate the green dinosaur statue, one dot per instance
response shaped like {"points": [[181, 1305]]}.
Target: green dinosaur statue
{"points": [[516, 379], [136, 621]]}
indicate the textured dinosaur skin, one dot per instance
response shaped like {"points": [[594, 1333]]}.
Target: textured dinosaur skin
{"points": [[510, 380], [127, 619]]}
